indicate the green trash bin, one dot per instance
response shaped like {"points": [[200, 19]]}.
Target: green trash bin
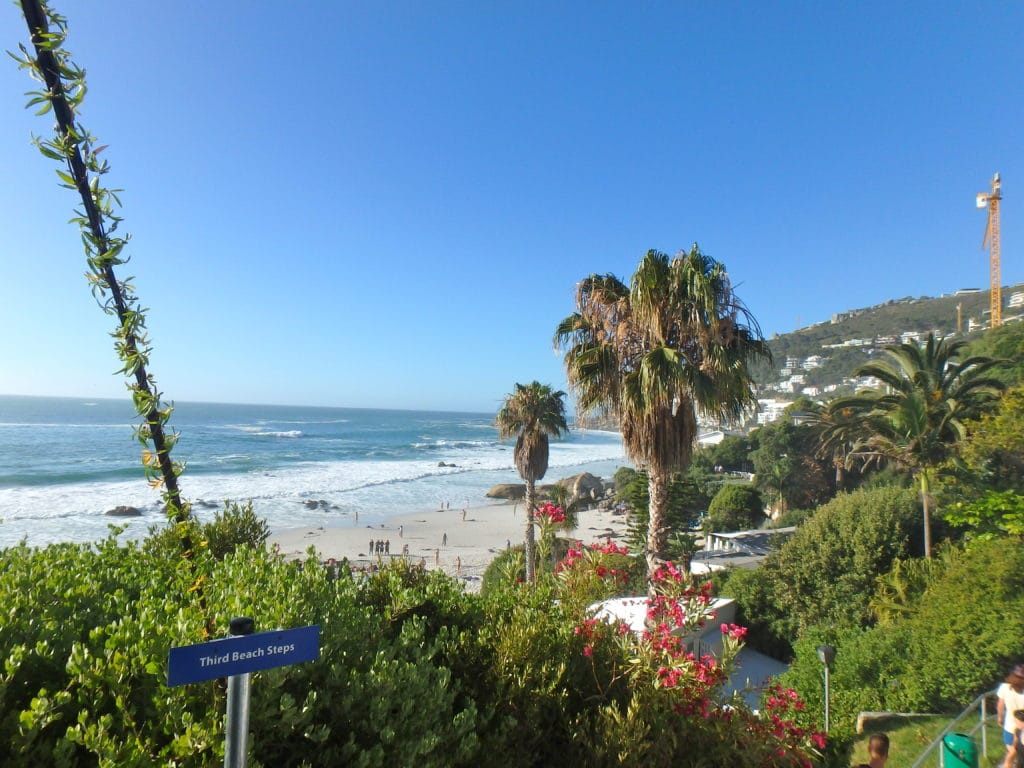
{"points": [[959, 751]]}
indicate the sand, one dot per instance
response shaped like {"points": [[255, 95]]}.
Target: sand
{"points": [[461, 543]]}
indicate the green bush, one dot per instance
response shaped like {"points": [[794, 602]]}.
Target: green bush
{"points": [[825, 572], [736, 507], [412, 671], [964, 632], [237, 525], [505, 570], [792, 518]]}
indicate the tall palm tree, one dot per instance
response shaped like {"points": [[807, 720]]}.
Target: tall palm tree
{"points": [[533, 412], [917, 417], [676, 342]]}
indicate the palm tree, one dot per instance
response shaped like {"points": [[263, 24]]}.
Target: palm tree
{"points": [[533, 412], [676, 342], [917, 417], [837, 431]]}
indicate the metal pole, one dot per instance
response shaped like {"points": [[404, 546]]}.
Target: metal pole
{"points": [[827, 654], [236, 735], [826, 699], [984, 727]]}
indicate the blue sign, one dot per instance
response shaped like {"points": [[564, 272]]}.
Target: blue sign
{"points": [[239, 654]]}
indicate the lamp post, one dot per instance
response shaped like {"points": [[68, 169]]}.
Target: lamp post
{"points": [[827, 654]]}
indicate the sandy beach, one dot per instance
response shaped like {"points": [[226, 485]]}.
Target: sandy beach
{"points": [[460, 542]]}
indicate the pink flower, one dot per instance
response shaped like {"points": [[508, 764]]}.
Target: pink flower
{"points": [[734, 631], [550, 514]]}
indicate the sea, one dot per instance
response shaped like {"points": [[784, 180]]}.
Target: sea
{"points": [[66, 462]]}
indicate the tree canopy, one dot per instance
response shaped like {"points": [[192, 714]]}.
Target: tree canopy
{"points": [[917, 416], [675, 342]]}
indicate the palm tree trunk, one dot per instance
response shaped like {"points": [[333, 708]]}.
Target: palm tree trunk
{"points": [[657, 531], [925, 488], [531, 548]]}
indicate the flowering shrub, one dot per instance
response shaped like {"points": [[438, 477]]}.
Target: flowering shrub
{"points": [[548, 518], [548, 514], [677, 707], [593, 572]]}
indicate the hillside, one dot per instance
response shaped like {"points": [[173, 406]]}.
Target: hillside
{"points": [[822, 357]]}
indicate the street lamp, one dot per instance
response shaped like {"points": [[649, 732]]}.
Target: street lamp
{"points": [[827, 654]]}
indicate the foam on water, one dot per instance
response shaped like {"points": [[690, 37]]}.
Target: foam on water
{"points": [[372, 465]]}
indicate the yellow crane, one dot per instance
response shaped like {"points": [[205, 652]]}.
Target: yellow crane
{"points": [[991, 200]]}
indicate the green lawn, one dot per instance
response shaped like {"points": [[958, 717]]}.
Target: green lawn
{"points": [[910, 736]]}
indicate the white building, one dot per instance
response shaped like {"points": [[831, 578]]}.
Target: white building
{"points": [[771, 410]]}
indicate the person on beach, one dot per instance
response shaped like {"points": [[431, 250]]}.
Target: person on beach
{"points": [[878, 751], [458, 566], [401, 531], [387, 546], [1011, 698], [437, 557], [371, 550], [463, 515], [444, 539]]}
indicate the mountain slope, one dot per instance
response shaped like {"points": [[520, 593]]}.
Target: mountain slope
{"points": [[851, 338]]}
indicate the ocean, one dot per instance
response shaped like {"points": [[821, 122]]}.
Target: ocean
{"points": [[64, 462]]}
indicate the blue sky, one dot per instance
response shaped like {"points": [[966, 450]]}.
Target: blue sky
{"points": [[389, 204]]}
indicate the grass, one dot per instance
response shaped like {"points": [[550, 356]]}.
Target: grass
{"points": [[909, 736]]}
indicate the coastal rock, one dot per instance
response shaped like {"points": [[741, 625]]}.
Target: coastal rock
{"points": [[510, 491], [442, 464], [124, 511], [311, 503], [583, 487]]}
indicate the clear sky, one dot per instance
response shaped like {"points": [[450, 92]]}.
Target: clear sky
{"points": [[388, 204]]}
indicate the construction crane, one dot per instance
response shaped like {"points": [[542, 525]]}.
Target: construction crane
{"points": [[991, 200]]}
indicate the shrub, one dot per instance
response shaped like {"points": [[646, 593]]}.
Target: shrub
{"points": [[412, 670], [237, 525], [825, 572], [951, 648], [505, 570], [792, 518], [735, 507]]}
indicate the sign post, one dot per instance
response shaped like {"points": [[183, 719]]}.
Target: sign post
{"points": [[236, 736], [235, 657]]}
